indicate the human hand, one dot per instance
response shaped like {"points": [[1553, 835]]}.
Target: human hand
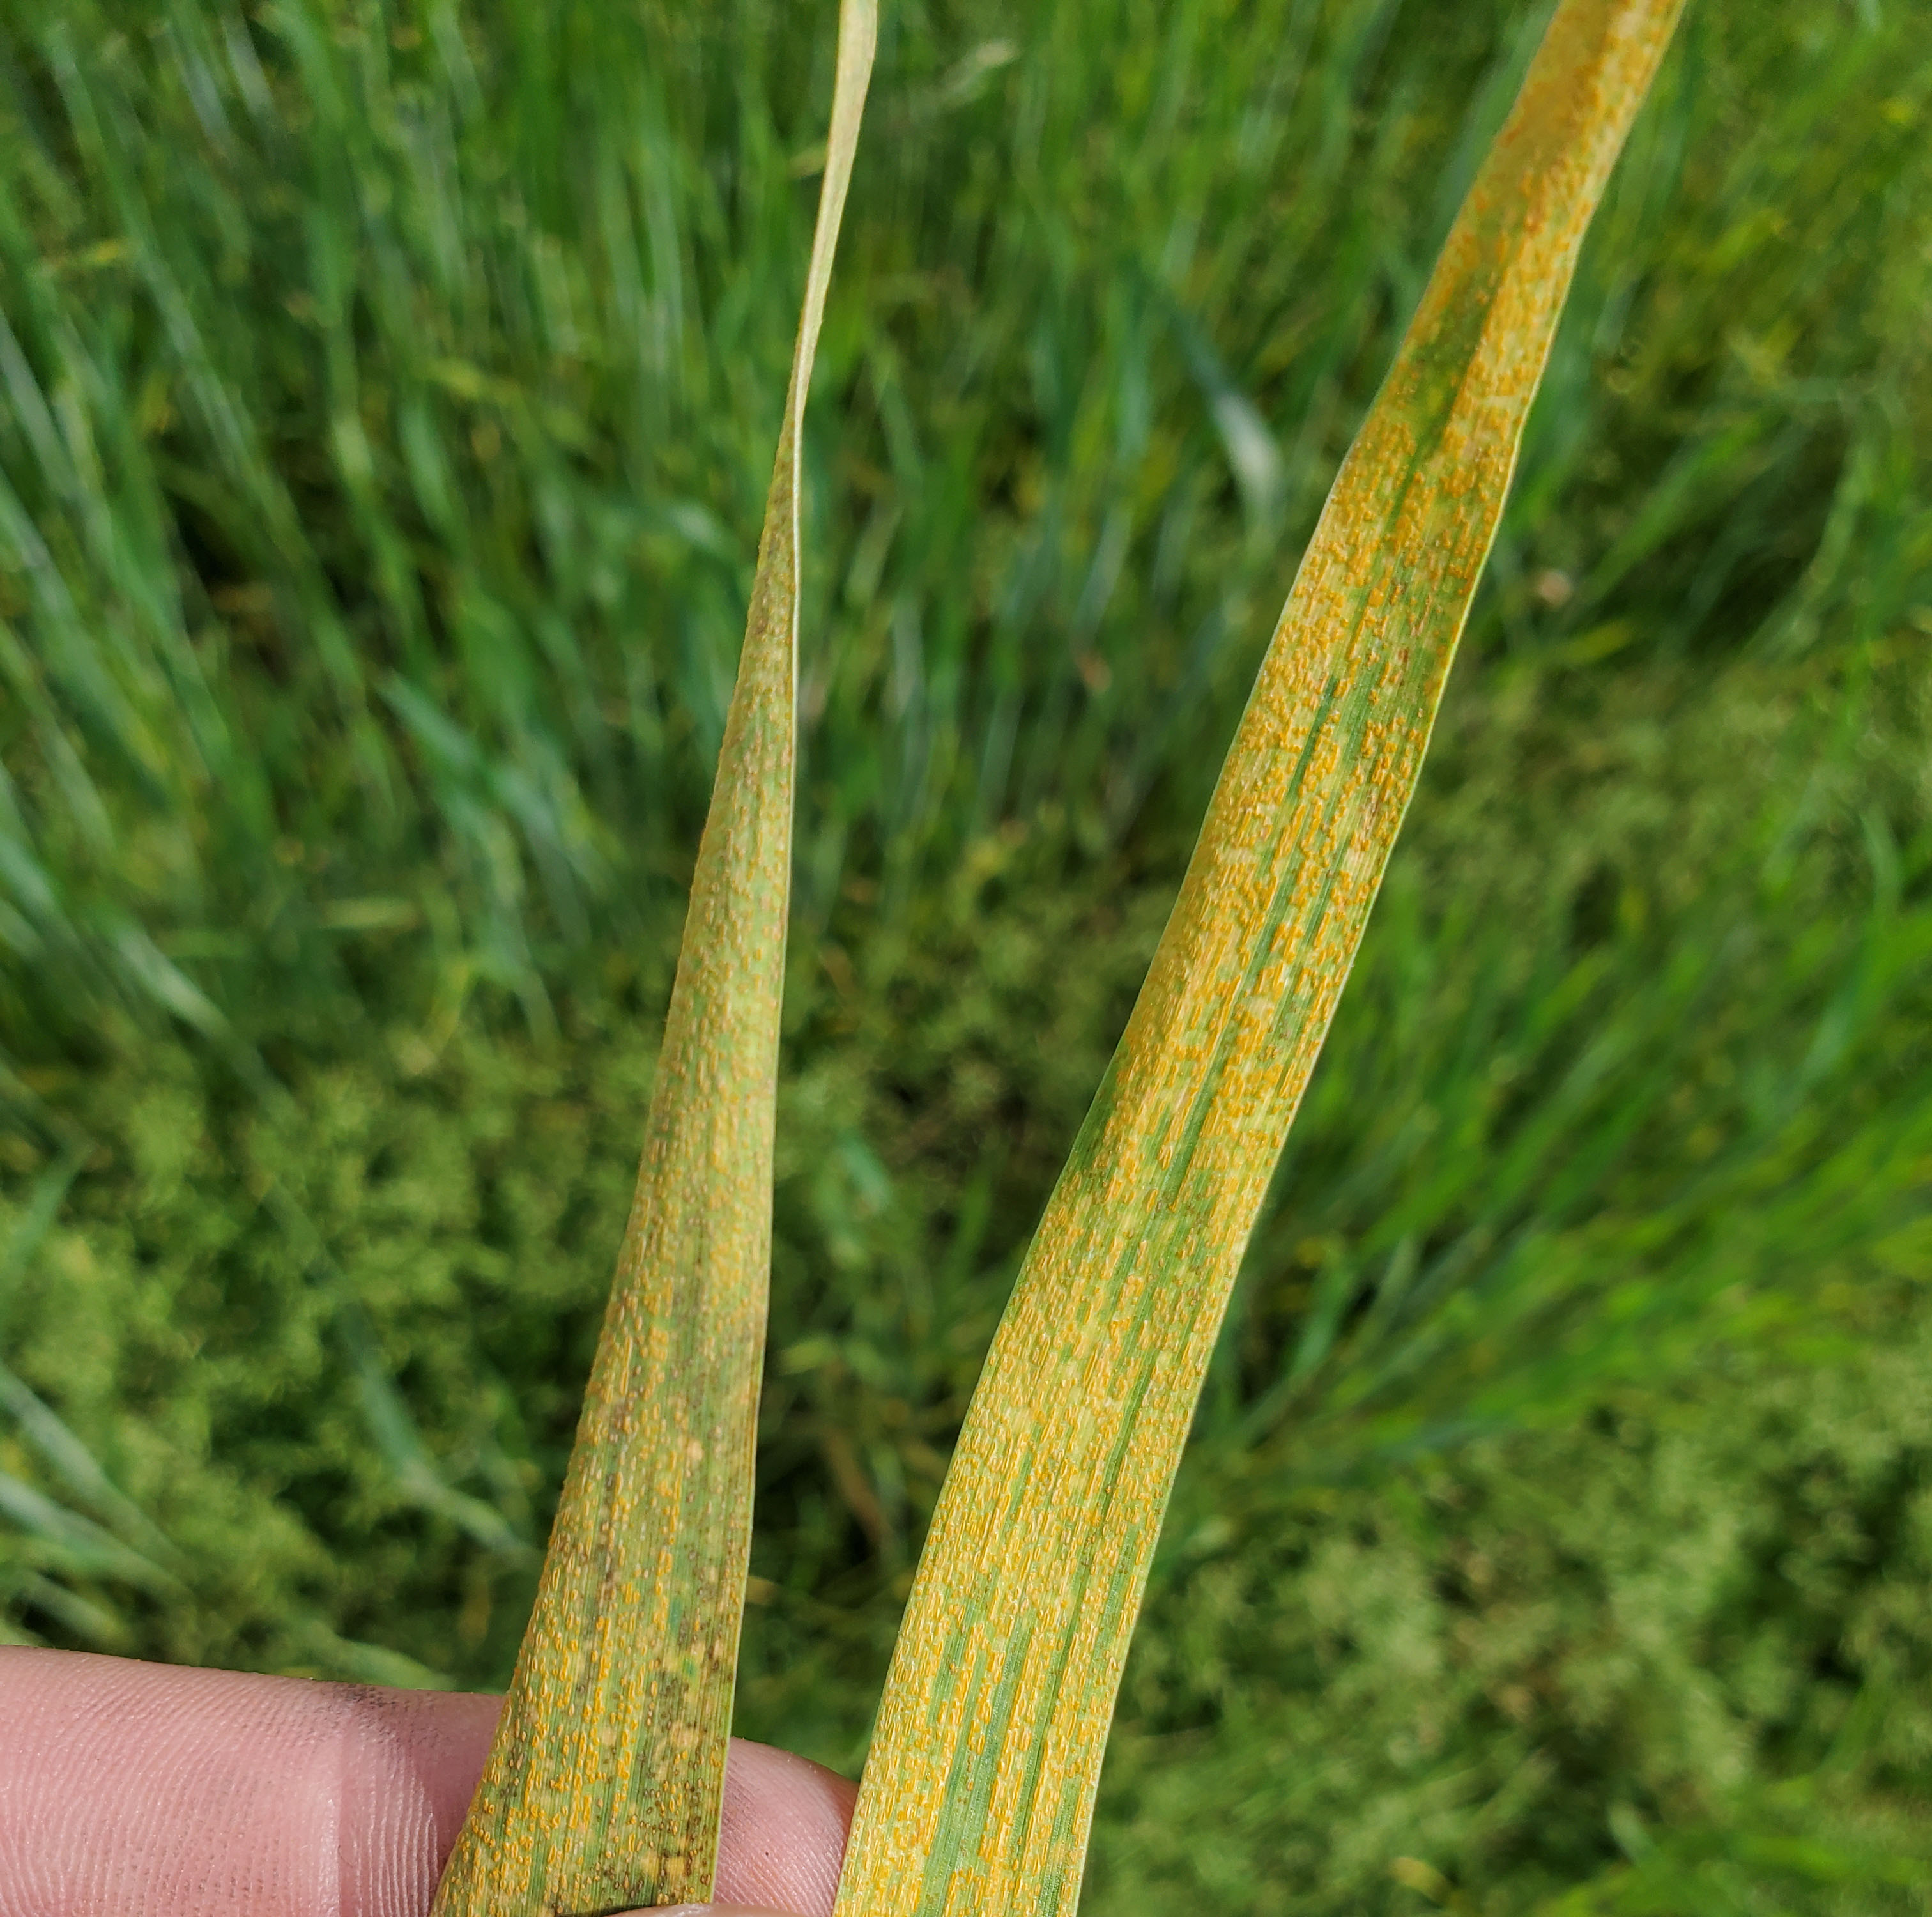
{"points": [[140, 1790]]}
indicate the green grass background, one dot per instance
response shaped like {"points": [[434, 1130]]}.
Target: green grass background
{"points": [[387, 396]]}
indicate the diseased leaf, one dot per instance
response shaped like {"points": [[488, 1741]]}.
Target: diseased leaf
{"points": [[979, 1786], [602, 1787]]}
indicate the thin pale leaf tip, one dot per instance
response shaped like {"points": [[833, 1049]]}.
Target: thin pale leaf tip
{"points": [[602, 1788]]}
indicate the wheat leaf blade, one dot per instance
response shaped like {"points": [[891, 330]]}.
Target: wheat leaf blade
{"points": [[602, 1788], [980, 1786]]}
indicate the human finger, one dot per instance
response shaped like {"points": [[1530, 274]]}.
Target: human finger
{"points": [[142, 1790]]}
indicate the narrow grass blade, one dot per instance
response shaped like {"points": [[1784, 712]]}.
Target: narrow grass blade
{"points": [[77, 1544], [602, 1788], [72, 1462], [979, 1788]]}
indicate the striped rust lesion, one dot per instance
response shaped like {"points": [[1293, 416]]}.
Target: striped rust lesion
{"points": [[1044, 1528]]}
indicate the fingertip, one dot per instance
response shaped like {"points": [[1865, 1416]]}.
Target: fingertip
{"points": [[128, 1789], [782, 1835]]}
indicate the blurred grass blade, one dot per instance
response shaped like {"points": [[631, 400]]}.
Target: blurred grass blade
{"points": [[602, 1788], [79, 1546], [77, 1467], [979, 1788]]}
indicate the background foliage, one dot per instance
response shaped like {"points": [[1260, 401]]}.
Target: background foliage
{"points": [[388, 394]]}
